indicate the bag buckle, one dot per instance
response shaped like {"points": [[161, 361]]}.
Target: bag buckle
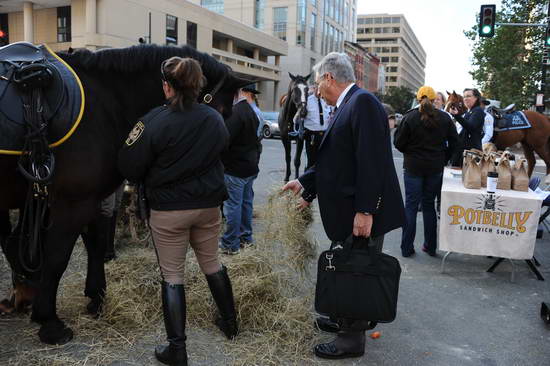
{"points": [[329, 257]]}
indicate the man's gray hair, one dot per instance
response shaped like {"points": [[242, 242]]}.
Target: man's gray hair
{"points": [[339, 65]]}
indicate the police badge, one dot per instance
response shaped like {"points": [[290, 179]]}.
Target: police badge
{"points": [[135, 134]]}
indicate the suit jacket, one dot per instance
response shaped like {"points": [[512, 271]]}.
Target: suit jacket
{"points": [[355, 170]]}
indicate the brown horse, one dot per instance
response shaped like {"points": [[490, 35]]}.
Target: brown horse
{"points": [[534, 139]]}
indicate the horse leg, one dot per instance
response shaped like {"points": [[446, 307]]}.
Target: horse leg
{"points": [[530, 156], [543, 152], [67, 221], [95, 241], [298, 156], [288, 150]]}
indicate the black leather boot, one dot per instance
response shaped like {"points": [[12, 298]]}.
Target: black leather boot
{"points": [[173, 306], [220, 287], [110, 248], [349, 342], [327, 324]]}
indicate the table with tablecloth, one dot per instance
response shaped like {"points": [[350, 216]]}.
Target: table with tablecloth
{"points": [[473, 221]]}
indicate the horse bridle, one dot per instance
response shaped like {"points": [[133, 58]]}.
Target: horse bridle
{"points": [[208, 97]]}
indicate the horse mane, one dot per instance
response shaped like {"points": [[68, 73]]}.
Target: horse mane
{"points": [[141, 58]]}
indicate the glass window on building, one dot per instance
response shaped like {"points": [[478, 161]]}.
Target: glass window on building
{"points": [[301, 23], [385, 49], [386, 20], [395, 49], [396, 20], [386, 30], [396, 30], [4, 30], [393, 69], [368, 30], [346, 15], [171, 30], [313, 2], [312, 30], [395, 59], [64, 24], [377, 20], [213, 5], [280, 16], [259, 6], [311, 63], [377, 30], [192, 34], [368, 20], [393, 79], [385, 59]]}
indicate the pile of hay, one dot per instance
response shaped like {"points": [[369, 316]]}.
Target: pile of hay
{"points": [[272, 292]]}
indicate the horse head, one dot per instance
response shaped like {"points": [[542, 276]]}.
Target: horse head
{"points": [[222, 100], [455, 101], [298, 92]]}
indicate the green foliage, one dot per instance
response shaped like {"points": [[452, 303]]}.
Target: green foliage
{"points": [[399, 98], [508, 67]]}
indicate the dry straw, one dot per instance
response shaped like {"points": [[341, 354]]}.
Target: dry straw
{"points": [[272, 289]]}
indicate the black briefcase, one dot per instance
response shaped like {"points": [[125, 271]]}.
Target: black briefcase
{"points": [[355, 282]]}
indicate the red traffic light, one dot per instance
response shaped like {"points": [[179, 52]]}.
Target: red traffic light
{"points": [[2, 34], [488, 12]]}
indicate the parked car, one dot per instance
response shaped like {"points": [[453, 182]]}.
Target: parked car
{"points": [[270, 127]]}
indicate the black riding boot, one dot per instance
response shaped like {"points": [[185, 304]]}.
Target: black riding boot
{"points": [[220, 287], [110, 248], [349, 342], [173, 306]]}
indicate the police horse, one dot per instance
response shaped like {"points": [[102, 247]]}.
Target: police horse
{"points": [[83, 104]]}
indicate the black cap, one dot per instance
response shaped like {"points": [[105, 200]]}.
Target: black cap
{"points": [[251, 89]]}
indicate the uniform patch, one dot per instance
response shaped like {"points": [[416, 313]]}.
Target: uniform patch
{"points": [[135, 134]]}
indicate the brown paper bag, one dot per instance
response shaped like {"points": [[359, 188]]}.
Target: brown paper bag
{"points": [[472, 173], [489, 147], [477, 154], [487, 165], [504, 173], [520, 179]]}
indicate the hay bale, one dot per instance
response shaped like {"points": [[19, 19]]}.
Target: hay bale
{"points": [[273, 296]]}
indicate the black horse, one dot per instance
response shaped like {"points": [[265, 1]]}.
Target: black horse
{"points": [[293, 102], [120, 85]]}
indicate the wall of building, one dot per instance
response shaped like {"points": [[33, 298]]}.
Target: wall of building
{"points": [[120, 23]]}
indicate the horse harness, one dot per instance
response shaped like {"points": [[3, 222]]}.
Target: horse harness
{"points": [[29, 72]]}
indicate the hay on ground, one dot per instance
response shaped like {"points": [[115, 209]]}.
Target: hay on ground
{"points": [[273, 296]]}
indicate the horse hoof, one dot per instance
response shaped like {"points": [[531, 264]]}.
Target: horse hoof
{"points": [[55, 333], [94, 308]]}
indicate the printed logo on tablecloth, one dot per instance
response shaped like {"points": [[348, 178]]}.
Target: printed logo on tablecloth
{"points": [[489, 215]]}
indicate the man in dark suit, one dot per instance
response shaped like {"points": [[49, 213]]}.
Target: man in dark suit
{"points": [[354, 179]]}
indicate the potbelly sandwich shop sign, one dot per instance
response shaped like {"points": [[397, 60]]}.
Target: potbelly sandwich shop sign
{"points": [[489, 224]]}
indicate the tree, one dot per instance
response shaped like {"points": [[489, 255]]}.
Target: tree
{"points": [[399, 98], [507, 67]]}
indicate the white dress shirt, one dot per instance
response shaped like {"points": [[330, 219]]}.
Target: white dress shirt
{"points": [[313, 120], [487, 128], [343, 95]]}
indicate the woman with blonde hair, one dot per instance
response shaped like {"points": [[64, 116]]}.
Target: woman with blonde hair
{"points": [[427, 138]]}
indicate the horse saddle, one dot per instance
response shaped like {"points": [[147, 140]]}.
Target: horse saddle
{"points": [[23, 67], [511, 120]]}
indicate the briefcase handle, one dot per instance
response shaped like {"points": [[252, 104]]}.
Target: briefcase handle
{"points": [[353, 242]]}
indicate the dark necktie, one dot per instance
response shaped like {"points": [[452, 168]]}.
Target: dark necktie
{"points": [[332, 114]]}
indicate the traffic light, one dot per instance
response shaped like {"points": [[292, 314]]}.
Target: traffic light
{"points": [[3, 38], [487, 19]]}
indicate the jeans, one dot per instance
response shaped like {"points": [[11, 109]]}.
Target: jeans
{"points": [[237, 210], [420, 189]]}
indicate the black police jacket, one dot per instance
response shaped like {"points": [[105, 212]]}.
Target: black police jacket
{"points": [[242, 157], [177, 155]]}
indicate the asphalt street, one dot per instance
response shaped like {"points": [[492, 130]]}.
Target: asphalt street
{"points": [[465, 316]]}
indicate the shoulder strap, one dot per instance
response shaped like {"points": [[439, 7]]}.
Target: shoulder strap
{"points": [[321, 112]]}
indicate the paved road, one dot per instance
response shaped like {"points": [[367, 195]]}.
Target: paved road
{"points": [[463, 317]]}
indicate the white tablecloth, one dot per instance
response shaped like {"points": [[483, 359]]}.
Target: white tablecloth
{"points": [[503, 224]]}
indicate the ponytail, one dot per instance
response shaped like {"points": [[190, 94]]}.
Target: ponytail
{"points": [[428, 113]]}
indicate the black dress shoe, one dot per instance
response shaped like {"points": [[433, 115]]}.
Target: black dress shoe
{"points": [[326, 325], [346, 345]]}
